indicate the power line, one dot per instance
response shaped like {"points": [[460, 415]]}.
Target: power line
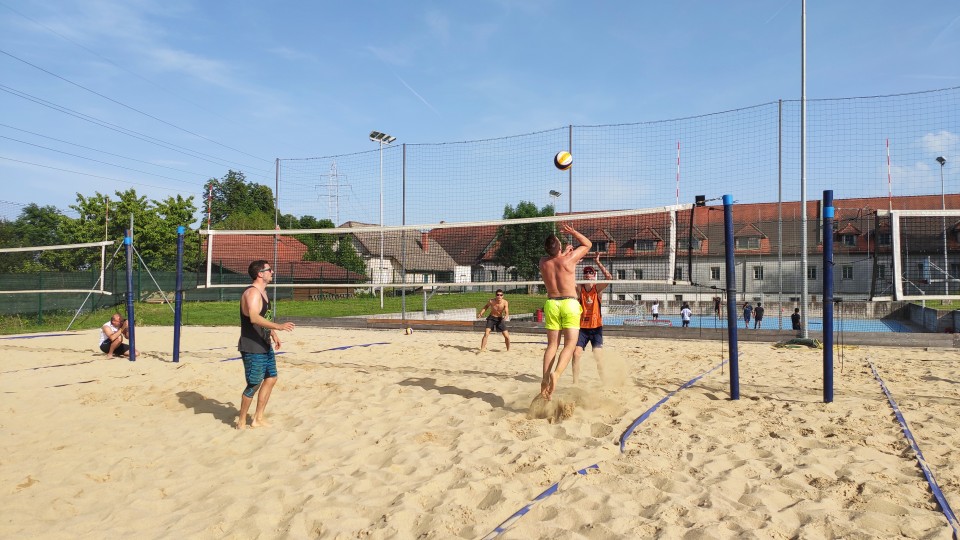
{"points": [[95, 149], [91, 175], [118, 66], [93, 160], [125, 131], [134, 109]]}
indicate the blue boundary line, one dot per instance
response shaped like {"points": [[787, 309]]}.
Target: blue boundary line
{"points": [[37, 336], [629, 431], [341, 348], [46, 367], [510, 521], [345, 347], [934, 487], [506, 525]]}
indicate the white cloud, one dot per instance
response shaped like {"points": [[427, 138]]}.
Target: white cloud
{"points": [[940, 143], [204, 69], [439, 25]]}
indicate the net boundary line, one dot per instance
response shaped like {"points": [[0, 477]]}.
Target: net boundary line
{"points": [[512, 520], [927, 471]]}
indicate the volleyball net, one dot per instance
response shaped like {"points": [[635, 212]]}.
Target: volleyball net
{"points": [[639, 247], [67, 268]]}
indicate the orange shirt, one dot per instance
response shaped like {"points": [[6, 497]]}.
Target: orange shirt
{"points": [[590, 302]]}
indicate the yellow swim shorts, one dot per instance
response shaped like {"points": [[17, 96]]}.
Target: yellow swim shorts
{"points": [[561, 313]]}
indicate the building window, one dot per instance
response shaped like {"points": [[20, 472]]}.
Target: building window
{"points": [[883, 239], [493, 275], [599, 246], [637, 297], [638, 273], [715, 273], [748, 242], [645, 245], [678, 272], [685, 243], [621, 274], [881, 271], [811, 272], [621, 297], [513, 274], [849, 240], [757, 272], [954, 270], [847, 271]]}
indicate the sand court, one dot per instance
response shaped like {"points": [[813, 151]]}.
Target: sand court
{"points": [[381, 435]]}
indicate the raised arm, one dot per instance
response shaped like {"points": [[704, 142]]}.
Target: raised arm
{"points": [[606, 273], [585, 244]]}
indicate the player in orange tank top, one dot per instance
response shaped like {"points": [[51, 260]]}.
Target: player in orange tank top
{"points": [[591, 318]]}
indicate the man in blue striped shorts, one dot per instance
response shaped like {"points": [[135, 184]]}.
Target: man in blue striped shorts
{"points": [[256, 333]]}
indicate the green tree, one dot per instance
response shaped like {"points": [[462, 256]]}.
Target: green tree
{"points": [[154, 225], [235, 201], [521, 246], [45, 226], [346, 256]]}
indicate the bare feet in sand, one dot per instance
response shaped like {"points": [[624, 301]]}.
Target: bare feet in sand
{"points": [[240, 424], [548, 386], [259, 422]]}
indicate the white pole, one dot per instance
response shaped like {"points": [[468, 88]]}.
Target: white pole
{"points": [[943, 206], [380, 270], [678, 172], [804, 287]]}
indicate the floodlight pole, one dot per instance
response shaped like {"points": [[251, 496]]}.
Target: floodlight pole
{"points": [[943, 206], [381, 138]]}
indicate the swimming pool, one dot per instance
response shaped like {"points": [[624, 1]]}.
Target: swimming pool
{"points": [[769, 323]]}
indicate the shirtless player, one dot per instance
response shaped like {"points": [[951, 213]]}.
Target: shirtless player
{"points": [[499, 313], [561, 312]]}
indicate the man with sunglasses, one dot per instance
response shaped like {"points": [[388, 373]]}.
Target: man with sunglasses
{"points": [[499, 313], [591, 320], [256, 334]]}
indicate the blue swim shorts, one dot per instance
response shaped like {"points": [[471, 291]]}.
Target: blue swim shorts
{"points": [[590, 335], [257, 367]]}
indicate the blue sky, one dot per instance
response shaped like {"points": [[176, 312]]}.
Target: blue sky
{"points": [[219, 85]]}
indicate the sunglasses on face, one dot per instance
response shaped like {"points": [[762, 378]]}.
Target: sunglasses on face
{"points": [[267, 270]]}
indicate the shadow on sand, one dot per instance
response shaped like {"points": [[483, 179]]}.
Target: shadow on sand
{"points": [[225, 412]]}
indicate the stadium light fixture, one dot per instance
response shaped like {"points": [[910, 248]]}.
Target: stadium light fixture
{"points": [[554, 194], [943, 206], [381, 139]]}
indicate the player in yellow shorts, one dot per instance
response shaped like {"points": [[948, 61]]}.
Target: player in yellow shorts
{"points": [[561, 311]]}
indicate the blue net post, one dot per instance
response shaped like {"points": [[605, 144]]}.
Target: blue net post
{"points": [[731, 264], [128, 242], [828, 212], [178, 296]]}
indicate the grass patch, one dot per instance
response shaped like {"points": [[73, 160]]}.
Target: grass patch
{"points": [[228, 313]]}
